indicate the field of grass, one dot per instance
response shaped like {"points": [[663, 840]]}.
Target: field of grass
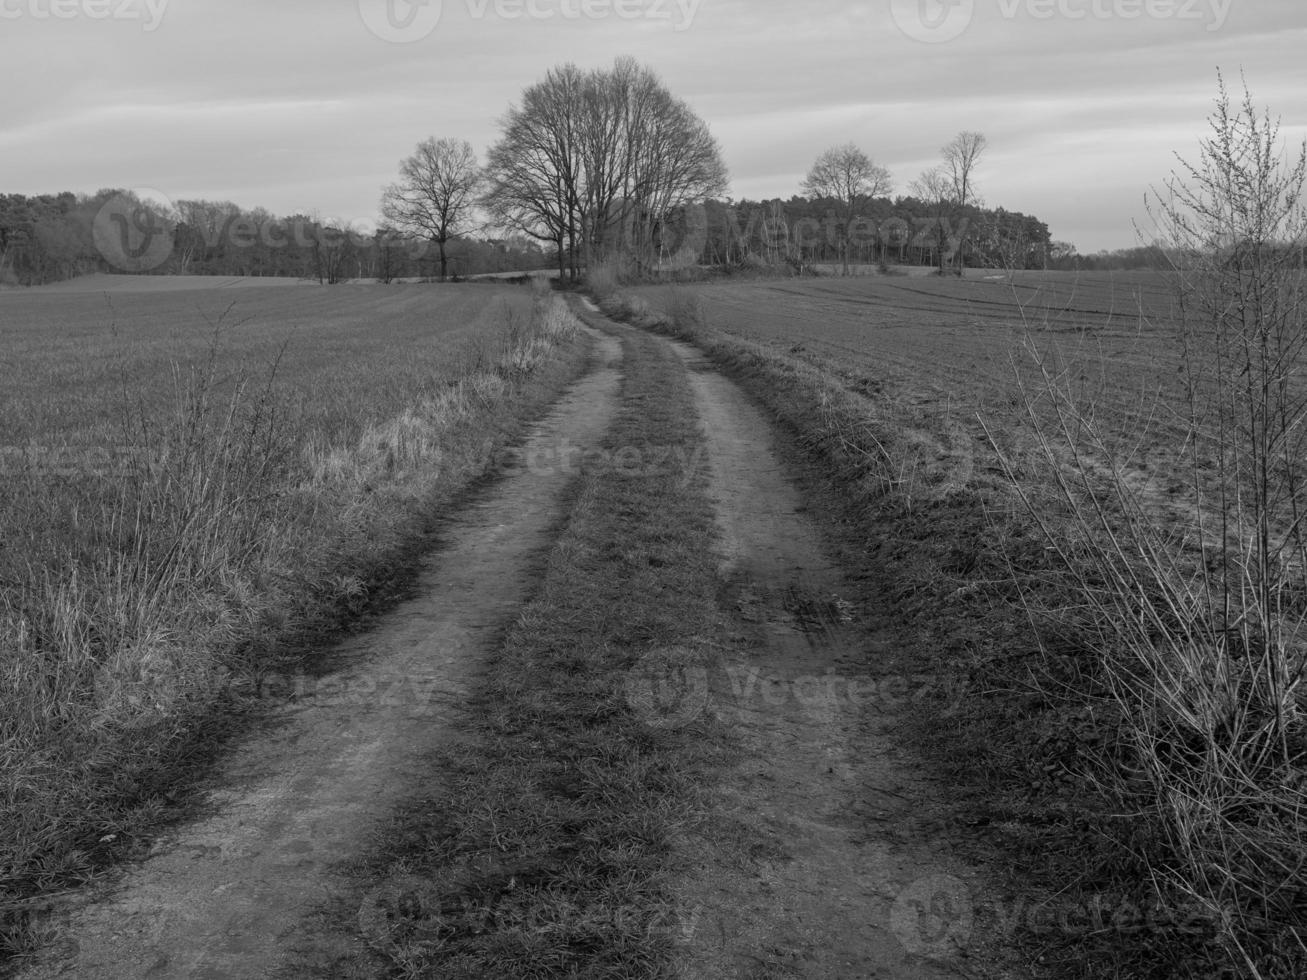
{"points": [[1115, 786], [191, 480], [950, 340], [76, 362], [942, 357]]}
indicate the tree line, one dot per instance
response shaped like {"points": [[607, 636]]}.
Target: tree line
{"points": [[802, 232], [590, 165], [51, 237]]}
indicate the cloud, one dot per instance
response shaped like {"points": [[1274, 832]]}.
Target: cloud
{"points": [[298, 106]]}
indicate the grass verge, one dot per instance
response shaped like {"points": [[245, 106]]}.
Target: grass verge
{"points": [[139, 607], [550, 850]]}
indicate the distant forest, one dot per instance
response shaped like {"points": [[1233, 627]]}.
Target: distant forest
{"points": [[51, 237], [47, 238]]}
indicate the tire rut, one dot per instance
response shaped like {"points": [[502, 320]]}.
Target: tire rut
{"points": [[851, 882], [226, 896]]}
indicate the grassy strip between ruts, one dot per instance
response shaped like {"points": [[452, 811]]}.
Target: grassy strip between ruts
{"points": [[944, 569], [121, 745], [551, 851]]}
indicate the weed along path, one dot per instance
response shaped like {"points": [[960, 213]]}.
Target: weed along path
{"points": [[227, 896], [835, 866]]}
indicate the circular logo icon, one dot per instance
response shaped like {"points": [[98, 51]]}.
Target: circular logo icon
{"points": [[133, 231], [679, 239], [138, 690], [932, 21], [401, 21], [933, 916], [668, 688], [399, 902]]}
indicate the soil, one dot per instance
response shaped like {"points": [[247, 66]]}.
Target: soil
{"points": [[224, 896]]}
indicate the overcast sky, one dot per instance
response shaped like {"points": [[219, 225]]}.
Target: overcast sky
{"points": [[308, 105]]}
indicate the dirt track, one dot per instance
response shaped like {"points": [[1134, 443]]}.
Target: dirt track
{"points": [[851, 883], [848, 889], [223, 897]]}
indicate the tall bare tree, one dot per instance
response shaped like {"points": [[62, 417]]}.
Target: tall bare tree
{"points": [[961, 155], [586, 157], [533, 171], [847, 175], [676, 163], [935, 188], [436, 193], [960, 158]]}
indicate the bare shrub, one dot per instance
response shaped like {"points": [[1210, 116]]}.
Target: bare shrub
{"points": [[1198, 627]]}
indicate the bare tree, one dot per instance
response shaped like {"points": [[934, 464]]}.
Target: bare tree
{"points": [[675, 162], [847, 175], [435, 194], [586, 156], [935, 188], [385, 246], [960, 158], [533, 171]]}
